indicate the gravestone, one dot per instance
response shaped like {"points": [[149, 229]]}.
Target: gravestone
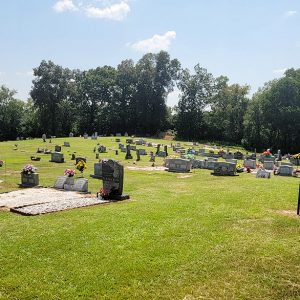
{"points": [[71, 134], [57, 148], [234, 161], [60, 182], [118, 140], [85, 136], [279, 155], [118, 134], [121, 146], [128, 154], [224, 169], [238, 155], [81, 185], [285, 170], [129, 141], [262, 173], [97, 170], [125, 134], [166, 150], [133, 148], [198, 164], [141, 151], [157, 149], [152, 157], [161, 154], [113, 177], [97, 155], [93, 137], [57, 157], [66, 144], [43, 137], [102, 149], [73, 156], [179, 165], [29, 180], [210, 164], [250, 163], [123, 149], [268, 165]]}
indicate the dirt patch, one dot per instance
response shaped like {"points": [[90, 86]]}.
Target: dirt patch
{"points": [[289, 213], [147, 168]]}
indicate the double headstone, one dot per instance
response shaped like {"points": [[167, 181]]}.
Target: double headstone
{"points": [[250, 163], [285, 170], [179, 165], [224, 169]]}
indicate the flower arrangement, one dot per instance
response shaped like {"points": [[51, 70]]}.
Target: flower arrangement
{"points": [[296, 172], [81, 166], [1, 163], [239, 168], [103, 193], [29, 169], [69, 172]]}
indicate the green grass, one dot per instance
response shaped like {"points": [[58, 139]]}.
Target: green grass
{"points": [[200, 237]]}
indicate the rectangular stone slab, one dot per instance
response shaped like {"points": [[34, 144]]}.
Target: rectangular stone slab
{"points": [[44, 208]]}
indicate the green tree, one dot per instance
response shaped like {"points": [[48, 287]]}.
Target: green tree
{"points": [[11, 111]]}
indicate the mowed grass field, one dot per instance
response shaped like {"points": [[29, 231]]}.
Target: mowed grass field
{"points": [[179, 237]]}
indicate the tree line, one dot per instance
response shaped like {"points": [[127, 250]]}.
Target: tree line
{"points": [[132, 98]]}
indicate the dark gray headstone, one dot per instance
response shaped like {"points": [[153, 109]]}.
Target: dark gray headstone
{"points": [[57, 148], [113, 177]]}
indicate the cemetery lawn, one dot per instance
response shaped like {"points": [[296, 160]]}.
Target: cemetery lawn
{"points": [[181, 236]]}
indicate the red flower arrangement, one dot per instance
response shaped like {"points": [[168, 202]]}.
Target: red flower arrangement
{"points": [[103, 193]]}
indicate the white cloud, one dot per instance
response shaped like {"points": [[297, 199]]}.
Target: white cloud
{"points": [[279, 71], [115, 12], [63, 5], [290, 13], [27, 73], [155, 43]]}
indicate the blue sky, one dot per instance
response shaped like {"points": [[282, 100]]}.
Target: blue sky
{"points": [[250, 41]]}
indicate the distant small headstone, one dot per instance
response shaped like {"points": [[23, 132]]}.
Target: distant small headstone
{"points": [[268, 165], [141, 151], [73, 156], [57, 157], [118, 134], [71, 134], [102, 149], [57, 148], [44, 137], [85, 136], [128, 154], [262, 173], [125, 134], [250, 163], [129, 141], [166, 150], [152, 157], [66, 144], [97, 170], [118, 140], [285, 170]]}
